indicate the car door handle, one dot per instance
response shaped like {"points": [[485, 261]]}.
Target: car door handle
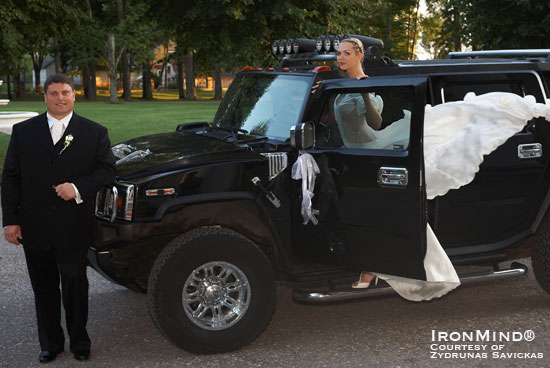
{"points": [[394, 176], [530, 150]]}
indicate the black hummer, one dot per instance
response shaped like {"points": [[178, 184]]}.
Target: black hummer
{"points": [[207, 219]]}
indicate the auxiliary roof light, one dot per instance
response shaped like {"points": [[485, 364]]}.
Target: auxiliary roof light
{"points": [[282, 46], [275, 47], [288, 46], [336, 41], [327, 44], [320, 43]]}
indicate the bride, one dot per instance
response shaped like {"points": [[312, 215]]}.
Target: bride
{"points": [[486, 122]]}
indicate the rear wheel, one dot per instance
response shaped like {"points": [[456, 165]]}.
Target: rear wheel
{"points": [[211, 290], [540, 256]]}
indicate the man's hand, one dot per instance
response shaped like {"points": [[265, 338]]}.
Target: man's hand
{"points": [[65, 191], [12, 233]]}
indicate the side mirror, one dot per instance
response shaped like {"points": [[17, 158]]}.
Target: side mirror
{"points": [[302, 136]]}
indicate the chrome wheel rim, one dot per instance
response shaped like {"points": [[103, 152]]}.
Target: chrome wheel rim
{"points": [[216, 295]]}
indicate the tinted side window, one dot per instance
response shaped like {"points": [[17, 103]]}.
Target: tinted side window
{"points": [[455, 91], [366, 119], [450, 88]]}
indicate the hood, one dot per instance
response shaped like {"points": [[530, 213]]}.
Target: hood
{"points": [[153, 154]]}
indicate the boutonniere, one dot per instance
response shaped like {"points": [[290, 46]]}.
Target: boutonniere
{"points": [[68, 140]]}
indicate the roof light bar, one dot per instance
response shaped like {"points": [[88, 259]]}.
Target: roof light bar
{"points": [[324, 43]]}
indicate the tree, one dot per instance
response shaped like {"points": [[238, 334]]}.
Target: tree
{"points": [[135, 34], [12, 15], [512, 24], [443, 27], [244, 29], [44, 20]]}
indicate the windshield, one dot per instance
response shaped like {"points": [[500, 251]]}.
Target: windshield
{"points": [[266, 105]]}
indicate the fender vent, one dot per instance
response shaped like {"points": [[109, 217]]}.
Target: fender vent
{"points": [[277, 163]]}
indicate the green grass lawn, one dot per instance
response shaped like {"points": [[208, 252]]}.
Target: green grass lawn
{"points": [[127, 120], [103, 95]]}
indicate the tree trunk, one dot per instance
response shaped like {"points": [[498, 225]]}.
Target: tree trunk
{"points": [[388, 40], [17, 86], [126, 87], [9, 87], [92, 86], [113, 83], [166, 76], [57, 55], [217, 82], [36, 68], [147, 91], [457, 42], [181, 91], [85, 81], [415, 29], [190, 92], [127, 93]]}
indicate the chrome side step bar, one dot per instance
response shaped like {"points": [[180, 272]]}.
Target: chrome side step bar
{"points": [[299, 295]]}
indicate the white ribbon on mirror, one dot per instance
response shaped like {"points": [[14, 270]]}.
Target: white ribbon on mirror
{"points": [[306, 169]]}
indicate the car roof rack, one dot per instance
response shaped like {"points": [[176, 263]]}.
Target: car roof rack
{"points": [[530, 53]]}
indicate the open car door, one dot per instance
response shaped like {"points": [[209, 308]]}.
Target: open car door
{"points": [[370, 191]]}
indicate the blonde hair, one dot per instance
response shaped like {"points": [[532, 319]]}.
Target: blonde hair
{"points": [[356, 43]]}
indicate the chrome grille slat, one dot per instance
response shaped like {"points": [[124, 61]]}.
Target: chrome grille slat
{"points": [[277, 162]]}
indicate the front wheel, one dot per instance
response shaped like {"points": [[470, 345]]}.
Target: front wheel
{"points": [[211, 290]]}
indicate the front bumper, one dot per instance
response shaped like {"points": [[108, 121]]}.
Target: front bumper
{"points": [[115, 234], [108, 238], [101, 262]]}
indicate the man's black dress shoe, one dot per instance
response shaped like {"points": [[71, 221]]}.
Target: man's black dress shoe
{"points": [[47, 356], [81, 355]]}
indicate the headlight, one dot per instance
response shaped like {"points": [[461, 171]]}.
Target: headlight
{"points": [[126, 208], [115, 202]]}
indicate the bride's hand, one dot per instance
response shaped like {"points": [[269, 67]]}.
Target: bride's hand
{"points": [[364, 76], [315, 86]]}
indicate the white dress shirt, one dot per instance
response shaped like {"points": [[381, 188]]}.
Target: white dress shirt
{"points": [[64, 123]]}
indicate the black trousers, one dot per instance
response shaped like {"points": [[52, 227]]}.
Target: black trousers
{"points": [[46, 269]]}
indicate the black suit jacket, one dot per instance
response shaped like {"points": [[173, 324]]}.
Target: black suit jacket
{"points": [[34, 165]]}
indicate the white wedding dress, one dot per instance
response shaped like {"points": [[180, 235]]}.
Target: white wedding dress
{"points": [[456, 137]]}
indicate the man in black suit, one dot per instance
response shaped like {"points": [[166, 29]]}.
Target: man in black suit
{"points": [[55, 164]]}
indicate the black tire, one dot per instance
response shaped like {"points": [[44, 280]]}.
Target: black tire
{"points": [[540, 255], [236, 256]]}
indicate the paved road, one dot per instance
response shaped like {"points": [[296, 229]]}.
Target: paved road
{"points": [[382, 332]]}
